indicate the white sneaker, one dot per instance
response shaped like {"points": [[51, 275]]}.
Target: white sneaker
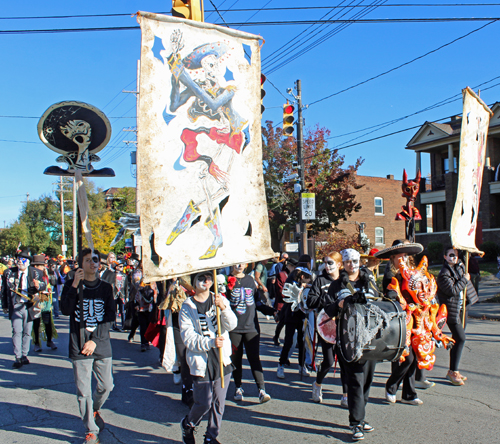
{"points": [[304, 371], [263, 396], [415, 401], [344, 403], [390, 398], [238, 395], [317, 394], [281, 372], [177, 378], [424, 384]]}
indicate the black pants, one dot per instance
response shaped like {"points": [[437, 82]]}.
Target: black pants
{"points": [[141, 320], [120, 309], [180, 350], [292, 326], [403, 372], [458, 334], [252, 345], [359, 381], [48, 328], [329, 351]]}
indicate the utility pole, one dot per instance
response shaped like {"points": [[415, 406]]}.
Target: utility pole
{"points": [[137, 197], [300, 141]]}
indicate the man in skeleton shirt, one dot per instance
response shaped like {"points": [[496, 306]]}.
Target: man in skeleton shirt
{"points": [[21, 283], [90, 345]]}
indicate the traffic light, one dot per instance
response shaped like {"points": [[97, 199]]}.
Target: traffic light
{"points": [[288, 120], [262, 93], [188, 9]]}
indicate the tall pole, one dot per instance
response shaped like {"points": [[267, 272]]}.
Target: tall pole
{"points": [[300, 142], [75, 225], [62, 215], [138, 250]]}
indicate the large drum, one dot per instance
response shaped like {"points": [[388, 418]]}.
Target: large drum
{"points": [[375, 331]]}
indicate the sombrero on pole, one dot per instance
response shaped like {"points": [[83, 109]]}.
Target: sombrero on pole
{"points": [[399, 247]]}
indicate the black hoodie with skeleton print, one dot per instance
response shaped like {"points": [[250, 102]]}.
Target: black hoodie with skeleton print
{"points": [[99, 314]]}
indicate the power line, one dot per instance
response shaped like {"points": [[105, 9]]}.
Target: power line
{"points": [[291, 8], [403, 64], [311, 45], [268, 23]]}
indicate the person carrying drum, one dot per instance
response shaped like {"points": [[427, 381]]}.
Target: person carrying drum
{"points": [[401, 372], [318, 299], [354, 286]]}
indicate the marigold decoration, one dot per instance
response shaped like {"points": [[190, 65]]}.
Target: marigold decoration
{"points": [[424, 316]]}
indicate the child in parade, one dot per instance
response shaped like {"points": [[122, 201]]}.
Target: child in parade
{"points": [[198, 327]]}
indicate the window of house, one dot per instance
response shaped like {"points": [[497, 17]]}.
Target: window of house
{"points": [[379, 205], [379, 236]]}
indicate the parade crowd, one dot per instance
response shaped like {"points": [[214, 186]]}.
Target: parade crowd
{"points": [[204, 324]]}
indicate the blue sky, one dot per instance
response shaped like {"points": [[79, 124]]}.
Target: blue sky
{"points": [[94, 67]]}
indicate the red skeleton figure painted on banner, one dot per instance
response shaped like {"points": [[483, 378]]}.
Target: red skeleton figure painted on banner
{"points": [[410, 190], [209, 102], [424, 316]]}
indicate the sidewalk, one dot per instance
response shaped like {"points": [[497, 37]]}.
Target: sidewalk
{"points": [[489, 286]]}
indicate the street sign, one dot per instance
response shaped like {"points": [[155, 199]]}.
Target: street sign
{"points": [[308, 206], [64, 248]]}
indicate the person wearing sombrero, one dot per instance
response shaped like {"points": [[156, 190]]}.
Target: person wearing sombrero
{"points": [[21, 284], [401, 372], [214, 116]]}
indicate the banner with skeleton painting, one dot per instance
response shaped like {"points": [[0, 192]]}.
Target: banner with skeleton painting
{"points": [[199, 166], [473, 138]]}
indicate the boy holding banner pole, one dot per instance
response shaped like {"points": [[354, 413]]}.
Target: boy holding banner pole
{"points": [[205, 322]]}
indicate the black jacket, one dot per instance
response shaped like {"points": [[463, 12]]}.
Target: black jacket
{"points": [[10, 277], [451, 282], [338, 290], [318, 297]]}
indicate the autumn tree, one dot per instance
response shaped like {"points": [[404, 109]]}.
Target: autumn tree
{"points": [[324, 174]]}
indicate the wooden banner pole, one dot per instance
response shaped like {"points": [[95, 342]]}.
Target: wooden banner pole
{"points": [[219, 333], [464, 300]]}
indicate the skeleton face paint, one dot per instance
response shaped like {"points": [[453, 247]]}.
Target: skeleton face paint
{"points": [[330, 266], [23, 263], [203, 282], [352, 266]]}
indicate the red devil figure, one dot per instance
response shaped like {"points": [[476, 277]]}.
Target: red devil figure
{"points": [[410, 190]]}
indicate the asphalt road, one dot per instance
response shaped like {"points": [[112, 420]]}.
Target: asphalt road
{"points": [[38, 404]]}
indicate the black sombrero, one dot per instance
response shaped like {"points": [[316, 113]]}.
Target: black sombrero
{"points": [[399, 247]]}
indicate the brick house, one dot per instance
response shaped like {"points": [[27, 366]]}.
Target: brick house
{"points": [[380, 200], [441, 141]]}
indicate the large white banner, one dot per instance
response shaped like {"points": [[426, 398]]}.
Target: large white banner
{"points": [[473, 137], [199, 166]]}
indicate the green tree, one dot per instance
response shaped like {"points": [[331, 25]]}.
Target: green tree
{"points": [[324, 174], [42, 220], [123, 202], [12, 236]]}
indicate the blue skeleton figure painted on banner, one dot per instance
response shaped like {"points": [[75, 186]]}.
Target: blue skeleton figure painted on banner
{"points": [[205, 99]]}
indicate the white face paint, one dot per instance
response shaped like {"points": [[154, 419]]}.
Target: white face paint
{"points": [[23, 263], [352, 267], [330, 265], [203, 282]]}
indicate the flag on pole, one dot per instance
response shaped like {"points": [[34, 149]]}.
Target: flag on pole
{"points": [[199, 164], [473, 137]]}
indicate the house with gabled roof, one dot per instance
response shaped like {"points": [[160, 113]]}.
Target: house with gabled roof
{"points": [[441, 142]]}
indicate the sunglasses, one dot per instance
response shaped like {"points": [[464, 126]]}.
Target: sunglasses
{"points": [[205, 278]]}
